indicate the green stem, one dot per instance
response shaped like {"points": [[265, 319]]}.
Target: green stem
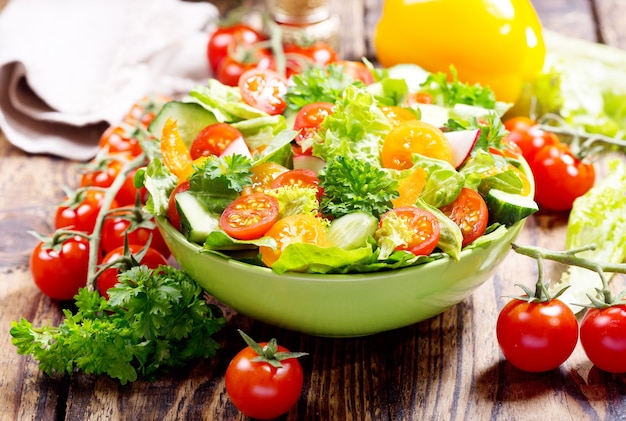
{"points": [[109, 196]]}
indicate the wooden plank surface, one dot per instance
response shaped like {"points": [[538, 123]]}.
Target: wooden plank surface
{"points": [[444, 368]]}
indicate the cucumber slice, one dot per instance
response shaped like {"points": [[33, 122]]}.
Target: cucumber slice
{"points": [[351, 231], [191, 118], [196, 222], [508, 208]]}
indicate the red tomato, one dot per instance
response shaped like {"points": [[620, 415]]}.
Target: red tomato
{"points": [[603, 337], [560, 177], [309, 118], [259, 389], [536, 336], [469, 212], [418, 98], [108, 278], [357, 70], [528, 136], [250, 216], [300, 177], [116, 226], [213, 140], [299, 228], [121, 138], [264, 89], [143, 112], [61, 273], [104, 172], [423, 224], [232, 68], [81, 215], [299, 57], [263, 176], [172, 210], [228, 37]]}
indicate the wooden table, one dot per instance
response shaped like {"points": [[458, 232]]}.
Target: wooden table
{"points": [[448, 367]]}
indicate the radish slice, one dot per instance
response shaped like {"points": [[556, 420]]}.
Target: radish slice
{"points": [[462, 142], [237, 146], [308, 162]]}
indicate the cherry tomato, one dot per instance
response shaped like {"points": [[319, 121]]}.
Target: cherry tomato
{"points": [[116, 226], [603, 337], [82, 214], [259, 389], [469, 212], [397, 115], [228, 37], [172, 210], [414, 137], [145, 110], [300, 177], [213, 140], [232, 68], [423, 225], [528, 136], [356, 70], [415, 98], [299, 57], [250, 216], [121, 138], [263, 176], [536, 336], [264, 89], [104, 172], [560, 177], [299, 228], [308, 120], [174, 151], [61, 273], [108, 278]]}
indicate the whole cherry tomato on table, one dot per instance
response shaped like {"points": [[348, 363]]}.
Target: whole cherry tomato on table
{"points": [[560, 177], [145, 110], [228, 37], [126, 259], [264, 380], [530, 138], [536, 336], [139, 231], [60, 270], [603, 337], [81, 211], [121, 138]]}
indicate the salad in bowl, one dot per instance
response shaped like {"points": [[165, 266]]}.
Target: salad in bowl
{"points": [[329, 180]]}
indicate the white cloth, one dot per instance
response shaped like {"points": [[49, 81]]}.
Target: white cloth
{"points": [[68, 68]]}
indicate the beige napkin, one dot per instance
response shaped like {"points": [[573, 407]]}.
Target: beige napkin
{"points": [[68, 68]]}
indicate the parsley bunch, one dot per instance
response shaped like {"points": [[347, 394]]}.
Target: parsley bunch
{"points": [[153, 321], [352, 185]]}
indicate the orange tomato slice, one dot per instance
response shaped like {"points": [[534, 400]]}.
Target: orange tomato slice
{"points": [[174, 152], [414, 137]]}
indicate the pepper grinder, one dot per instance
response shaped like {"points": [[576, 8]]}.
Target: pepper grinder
{"points": [[304, 22]]}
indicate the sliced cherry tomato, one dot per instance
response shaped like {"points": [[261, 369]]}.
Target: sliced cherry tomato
{"points": [[415, 98], [214, 139], [300, 57], [469, 212], [357, 70], [560, 177], [61, 271], [109, 277], [82, 212], [301, 177], [309, 118], [143, 112], [121, 138], [229, 37], [299, 228], [250, 216], [233, 67], [172, 210], [422, 225], [603, 337], [264, 89], [263, 176], [536, 336], [397, 115], [263, 389], [414, 137], [118, 225], [102, 173]]}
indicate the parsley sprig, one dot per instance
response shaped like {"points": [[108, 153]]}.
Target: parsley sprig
{"points": [[154, 320]]}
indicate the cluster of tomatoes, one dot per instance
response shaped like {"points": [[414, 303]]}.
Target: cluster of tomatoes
{"points": [[560, 175], [94, 216], [233, 49], [538, 335]]}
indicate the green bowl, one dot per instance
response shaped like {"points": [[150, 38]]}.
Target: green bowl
{"points": [[341, 305]]}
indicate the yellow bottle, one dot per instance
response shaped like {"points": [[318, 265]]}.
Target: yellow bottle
{"points": [[497, 43]]}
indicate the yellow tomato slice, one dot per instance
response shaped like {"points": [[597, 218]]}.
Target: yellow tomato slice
{"points": [[414, 137]]}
